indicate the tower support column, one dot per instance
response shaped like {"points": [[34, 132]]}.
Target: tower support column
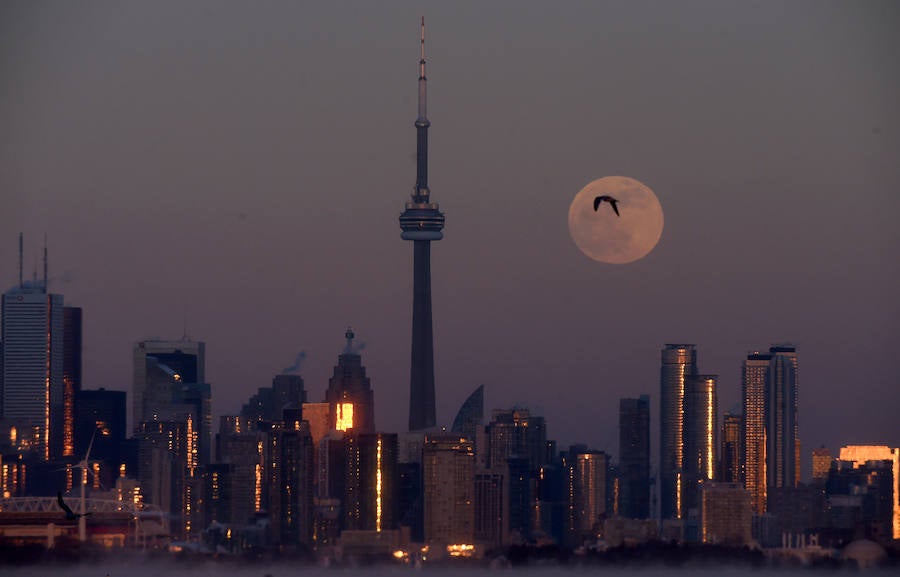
{"points": [[421, 392]]}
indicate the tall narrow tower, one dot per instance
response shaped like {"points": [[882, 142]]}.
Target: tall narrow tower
{"points": [[422, 222], [679, 366]]}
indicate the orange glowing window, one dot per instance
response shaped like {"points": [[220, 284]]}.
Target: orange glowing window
{"points": [[343, 416]]}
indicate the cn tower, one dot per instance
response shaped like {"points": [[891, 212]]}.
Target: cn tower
{"points": [[421, 223]]}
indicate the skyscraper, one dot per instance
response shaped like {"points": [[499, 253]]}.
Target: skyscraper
{"points": [[32, 384], [351, 402], [634, 457], [771, 431], [100, 418], [449, 467], [679, 365], [730, 458], [371, 488], [701, 412], [422, 222], [157, 364], [516, 433], [291, 483], [590, 490], [754, 379], [783, 431]]}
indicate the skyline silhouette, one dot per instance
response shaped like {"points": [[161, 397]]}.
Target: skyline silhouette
{"points": [[235, 174]]}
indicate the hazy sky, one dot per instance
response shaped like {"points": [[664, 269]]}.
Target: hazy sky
{"points": [[243, 165]]}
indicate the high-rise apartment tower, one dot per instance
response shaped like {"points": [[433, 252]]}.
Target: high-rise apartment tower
{"points": [[771, 436], [634, 457], [679, 365]]}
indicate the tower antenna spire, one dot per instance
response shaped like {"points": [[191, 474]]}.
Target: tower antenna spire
{"points": [[421, 193]]}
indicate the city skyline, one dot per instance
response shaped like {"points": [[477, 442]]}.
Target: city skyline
{"points": [[212, 175]]}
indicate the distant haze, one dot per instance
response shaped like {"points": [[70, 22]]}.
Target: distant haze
{"points": [[236, 170]]}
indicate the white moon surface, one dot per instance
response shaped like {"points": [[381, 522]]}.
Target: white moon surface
{"points": [[612, 239]]}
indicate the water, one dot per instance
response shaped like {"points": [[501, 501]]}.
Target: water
{"points": [[214, 569]]}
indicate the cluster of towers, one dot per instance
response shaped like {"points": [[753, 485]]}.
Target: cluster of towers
{"points": [[760, 447], [757, 449]]}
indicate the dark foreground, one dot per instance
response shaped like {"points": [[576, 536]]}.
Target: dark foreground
{"points": [[650, 559]]}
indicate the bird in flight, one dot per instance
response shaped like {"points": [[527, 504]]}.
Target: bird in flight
{"points": [[612, 202], [70, 515]]}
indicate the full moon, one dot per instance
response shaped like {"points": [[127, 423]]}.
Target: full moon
{"points": [[606, 237]]}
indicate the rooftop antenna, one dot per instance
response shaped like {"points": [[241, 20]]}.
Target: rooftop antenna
{"points": [[21, 280], [349, 336], [46, 285]]}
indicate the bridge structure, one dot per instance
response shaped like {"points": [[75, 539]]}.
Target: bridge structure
{"points": [[111, 523]]}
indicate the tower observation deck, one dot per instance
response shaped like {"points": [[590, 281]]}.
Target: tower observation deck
{"points": [[422, 222]]}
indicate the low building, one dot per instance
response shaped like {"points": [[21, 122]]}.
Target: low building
{"points": [[726, 515]]}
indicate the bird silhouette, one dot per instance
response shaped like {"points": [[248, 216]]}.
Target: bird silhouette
{"points": [[612, 202], [70, 515]]}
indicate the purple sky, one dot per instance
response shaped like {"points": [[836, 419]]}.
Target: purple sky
{"points": [[244, 165]]}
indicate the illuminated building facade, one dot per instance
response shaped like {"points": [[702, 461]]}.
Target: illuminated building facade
{"points": [[349, 396], [71, 376], [701, 429], [291, 484], [449, 487], [164, 465], [32, 396], [316, 414], [754, 382], [371, 499], [821, 464], [726, 515], [859, 455], [246, 455], [771, 450], [590, 491], [679, 365], [422, 222], [730, 458], [217, 489], [634, 457], [100, 415]]}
